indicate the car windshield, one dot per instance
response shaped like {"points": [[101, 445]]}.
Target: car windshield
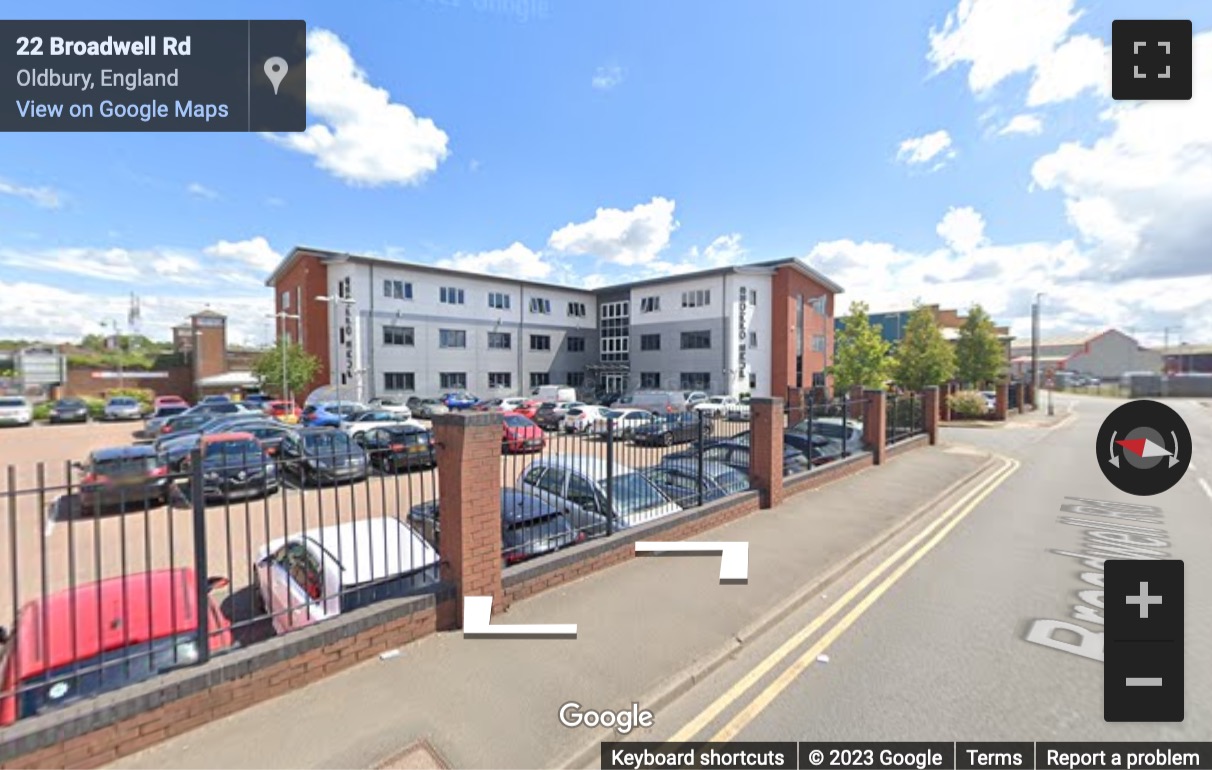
{"points": [[12, 402], [327, 442], [612, 414], [104, 673], [189, 421], [234, 452], [632, 492], [406, 436], [70, 403], [517, 421], [732, 481], [124, 466], [122, 402], [168, 411]]}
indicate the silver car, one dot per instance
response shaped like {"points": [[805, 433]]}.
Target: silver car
{"points": [[123, 408]]}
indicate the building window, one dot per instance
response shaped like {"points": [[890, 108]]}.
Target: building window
{"points": [[540, 342], [453, 380], [650, 342], [498, 300], [500, 379], [499, 340], [540, 306], [538, 379], [818, 379], [696, 381], [576, 379], [819, 304], [452, 338], [752, 380], [397, 289], [614, 346], [449, 295], [818, 343], [696, 340], [696, 298], [752, 297], [576, 309], [399, 335], [650, 304], [650, 380], [615, 331], [399, 381], [753, 339], [286, 300], [576, 344]]}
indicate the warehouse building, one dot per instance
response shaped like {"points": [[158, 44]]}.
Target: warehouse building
{"points": [[1106, 355]]}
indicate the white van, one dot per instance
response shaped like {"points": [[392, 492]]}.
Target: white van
{"points": [[555, 393]]}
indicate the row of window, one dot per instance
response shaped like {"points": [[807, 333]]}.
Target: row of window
{"points": [[498, 300], [405, 336], [407, 381]]}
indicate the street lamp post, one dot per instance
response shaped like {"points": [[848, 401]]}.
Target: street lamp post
{"points": [[1035, 344], [333, 301], [282, 315], [118, 345]]}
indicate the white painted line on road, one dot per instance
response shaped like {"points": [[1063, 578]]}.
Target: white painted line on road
{"points": [[734, 556], [1207, 489]]}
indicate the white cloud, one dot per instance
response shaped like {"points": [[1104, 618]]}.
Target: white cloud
{"points": [[1142, 194], [626, 238], [606, 78], [253, 252], [44, 197], [923, 149], [1000, 38], [1080, 63], [962, 229], [1023, 124], [199, 190], [515, 261], [361, 136], [723, 251]]}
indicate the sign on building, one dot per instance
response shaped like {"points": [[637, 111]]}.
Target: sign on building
{"points": [[742, 360]]}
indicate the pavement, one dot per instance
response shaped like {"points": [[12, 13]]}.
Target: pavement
{"points": [[649, 629]]}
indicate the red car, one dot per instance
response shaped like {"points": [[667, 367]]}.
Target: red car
{"points": [[102, 636], [528, 409], [519, 434], [284, 411], [168, 401]]}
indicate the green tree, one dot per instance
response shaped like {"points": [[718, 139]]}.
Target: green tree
{"points": [[861, 354], [923, 356], [979, 355], [301, 368]]}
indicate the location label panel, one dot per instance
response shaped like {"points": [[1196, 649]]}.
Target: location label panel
{"points": [[1143, 646], [153, 76]]}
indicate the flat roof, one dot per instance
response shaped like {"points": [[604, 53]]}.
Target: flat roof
{"points": [[337, 257]]}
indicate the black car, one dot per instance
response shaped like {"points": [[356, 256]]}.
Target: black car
{"points": [[673, 429], [156, 421], [178, 446], [235, 466], [400, 448], [323, 455], [530, 526], [118, 477], [547, 416], [68, 410]]}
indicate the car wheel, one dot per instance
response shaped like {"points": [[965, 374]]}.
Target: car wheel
{"points": [[668, 439]]}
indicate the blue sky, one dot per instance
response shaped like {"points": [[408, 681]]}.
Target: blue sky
{"points": [[718, 132]]}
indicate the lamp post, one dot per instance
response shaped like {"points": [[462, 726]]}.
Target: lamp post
{"points": [[1035, 344], [282, 315], [118, 345], [333, 301]]}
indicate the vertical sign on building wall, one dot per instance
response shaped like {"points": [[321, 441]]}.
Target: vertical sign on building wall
{"points": [[345, 291], [742, 335]]}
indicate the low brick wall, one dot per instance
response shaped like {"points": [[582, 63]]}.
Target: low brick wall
{"points": [[838, 469], [905, 445], [95, 732]]}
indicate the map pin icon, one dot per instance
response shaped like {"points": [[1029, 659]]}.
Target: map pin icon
{"points": [[275, 70]]}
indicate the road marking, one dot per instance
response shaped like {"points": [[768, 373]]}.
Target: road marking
{"points": [[1206, 487], [745, 683], [789, 675]]}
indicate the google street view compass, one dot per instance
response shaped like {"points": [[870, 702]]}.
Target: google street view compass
{"points": [[1144, 447]]}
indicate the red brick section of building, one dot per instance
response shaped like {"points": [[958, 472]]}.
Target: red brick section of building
{"points": [[304, 279], [789, 284]]}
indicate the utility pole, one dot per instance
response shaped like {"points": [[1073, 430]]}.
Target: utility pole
{"points": [[117, 347], [1166, 350], [1035, 344], [282, 315]]}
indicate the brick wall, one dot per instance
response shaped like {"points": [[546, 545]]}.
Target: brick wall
{"points": [[80, 382], [305, 280]]}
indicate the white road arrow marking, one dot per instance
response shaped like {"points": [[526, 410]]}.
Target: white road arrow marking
{"points": [[734, 556], [477, 621]]}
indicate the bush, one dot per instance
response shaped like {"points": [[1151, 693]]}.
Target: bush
{"points": [[96, 407], [42, 411], [968, 403]]}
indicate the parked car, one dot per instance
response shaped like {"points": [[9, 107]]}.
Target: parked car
{"points": [[672, 429], [269, 434], [694, 398], [221, 407], [527, 409], [661, 401], [256, 400], [311, 576], [579, 419], [530, 526], [736, 454], [489, 405], [741, 412], [322, 455], [555, 393], [162, 401], [176, 448], [391, 404], [813, 446], [215, 399], [287, 412], [548, 415], [16, 410], [679, 480], [519, 434], [625, 422], [157, 420], [459, 399], [180, 425], [716, 406], [428, 408], [123, 408], [235, 466], [359, 422], [68, 410], [101, 636], [318, 416], [119, 476], [834, 428], [403, 447], [576, 484]]}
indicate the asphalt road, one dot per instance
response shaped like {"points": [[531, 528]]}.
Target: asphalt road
{"points": [[942, 651]]}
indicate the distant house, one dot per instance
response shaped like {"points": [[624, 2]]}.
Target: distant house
{"points": [[1105, 354]]}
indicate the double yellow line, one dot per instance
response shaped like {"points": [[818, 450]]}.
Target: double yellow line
{"points": [[940, 527]]}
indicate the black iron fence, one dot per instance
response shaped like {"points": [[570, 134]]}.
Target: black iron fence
{"points": [[822, 431], [906, 417]]}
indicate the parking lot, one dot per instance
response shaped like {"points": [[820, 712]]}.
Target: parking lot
{"points": [[48, 545]]}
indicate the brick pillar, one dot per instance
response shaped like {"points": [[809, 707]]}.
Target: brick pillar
{"points": [[469, 488], [1022, 397], [944, 401], [795, 406], [875, 423], [766, 449], [930, 410], [1002, 402]]}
